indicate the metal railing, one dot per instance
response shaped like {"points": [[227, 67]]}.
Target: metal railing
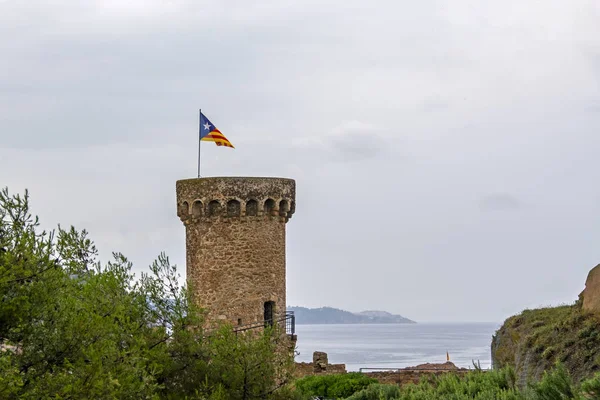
{"points": [[285, 322], [408, 369]]}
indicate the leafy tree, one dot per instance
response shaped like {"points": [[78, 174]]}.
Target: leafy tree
{"points": [[71, 327], [250, 365]]}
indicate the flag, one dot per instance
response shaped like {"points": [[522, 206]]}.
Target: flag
{"points": [[210, 133]]}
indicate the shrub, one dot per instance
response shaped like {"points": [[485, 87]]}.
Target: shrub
{"points": [[591, 387], [549, 352], [568, 335], [478, 385], [555, 384], [337, 386], [377, 392]]}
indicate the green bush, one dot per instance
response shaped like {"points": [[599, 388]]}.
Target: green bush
{"points": [[478, 385], [591, 387], [377, 392], [337, 386], [492, 385], [555, 384]]}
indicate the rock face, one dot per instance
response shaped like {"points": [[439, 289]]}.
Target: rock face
{"points": [[235, 245], [511, 347], [591, 293], [534, 340]]}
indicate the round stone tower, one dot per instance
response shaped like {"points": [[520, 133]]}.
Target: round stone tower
{"points": [[235, 245]]}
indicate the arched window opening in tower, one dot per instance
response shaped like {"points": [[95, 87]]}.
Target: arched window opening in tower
{"points": [[197, 209], [269, 206], [284, 207], [252, 208], [269, 313], [233, 208], [214, 208], [184, 208]]}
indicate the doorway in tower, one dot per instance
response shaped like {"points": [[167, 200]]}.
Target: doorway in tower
{"points": [[269, 313]]}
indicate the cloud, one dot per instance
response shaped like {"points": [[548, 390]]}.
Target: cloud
{"points": [[358, 146], [354, 141], [500, 202], [593, 108], [392, 118], [435, 104], [350, 141]]}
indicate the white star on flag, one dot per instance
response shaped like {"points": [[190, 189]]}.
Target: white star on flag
{"points": [[207, 126]]}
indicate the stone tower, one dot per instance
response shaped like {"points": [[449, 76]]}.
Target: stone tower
{"points": [[235, 245]]}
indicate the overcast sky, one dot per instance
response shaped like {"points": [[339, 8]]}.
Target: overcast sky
{"points": [[445, 152]]}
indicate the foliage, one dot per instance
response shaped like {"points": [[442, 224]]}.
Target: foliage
{"points": [[591, 387], [336, 386], [71, 327], [498, 384], [555, 384], [247, 366], [377, 392], [542, 337], [482, 385]]}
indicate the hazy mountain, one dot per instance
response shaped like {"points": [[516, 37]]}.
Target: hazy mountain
{"points": [[329, 315]]}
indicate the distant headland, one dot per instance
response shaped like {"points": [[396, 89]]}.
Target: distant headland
{"points": [[329, 315]]}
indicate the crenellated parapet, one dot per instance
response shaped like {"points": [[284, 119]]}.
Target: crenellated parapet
{"points": [[235, 197]]}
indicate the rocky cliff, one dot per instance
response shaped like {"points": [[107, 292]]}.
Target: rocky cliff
{"points": [[535, 340]]}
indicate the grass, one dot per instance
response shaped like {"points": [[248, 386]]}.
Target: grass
{"points": [[535, 340]]}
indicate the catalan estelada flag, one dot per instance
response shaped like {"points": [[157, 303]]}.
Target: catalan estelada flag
{"points": [[210, 133]]}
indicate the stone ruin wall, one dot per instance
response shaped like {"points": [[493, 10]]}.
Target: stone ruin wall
{"points": [[235, 244], [303, 369], [414, 375], [319, 366], [403, 376]]}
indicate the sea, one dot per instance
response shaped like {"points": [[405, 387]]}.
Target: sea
{"points": [[383, 346]]}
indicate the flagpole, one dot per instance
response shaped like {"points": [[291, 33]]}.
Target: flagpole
{"points": [[199, 138]]}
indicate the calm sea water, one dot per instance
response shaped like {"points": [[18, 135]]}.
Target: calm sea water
{"points": [[398, 345]]}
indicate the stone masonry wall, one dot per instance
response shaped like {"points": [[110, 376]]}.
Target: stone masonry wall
{"points": [[404, 377], [235, 267], [235, 244], [303, 369], [319, 366]]}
